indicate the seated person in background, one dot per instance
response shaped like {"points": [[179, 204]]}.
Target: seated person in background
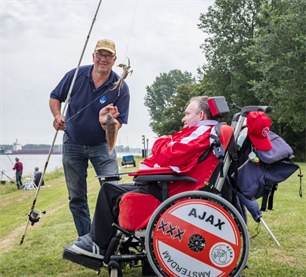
{"points": [[37, 176], [36, 171], [180, 152]]}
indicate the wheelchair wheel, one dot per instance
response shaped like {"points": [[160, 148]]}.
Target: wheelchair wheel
{"points": [[197, 234]]}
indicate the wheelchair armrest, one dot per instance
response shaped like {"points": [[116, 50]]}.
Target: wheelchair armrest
{"points": [[113, 177], [163, 178]]}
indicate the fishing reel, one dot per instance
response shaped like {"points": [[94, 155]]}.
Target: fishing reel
{"points": [[34, 216]]}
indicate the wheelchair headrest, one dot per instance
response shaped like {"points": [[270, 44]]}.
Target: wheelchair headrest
{"points": [[218, 106]]}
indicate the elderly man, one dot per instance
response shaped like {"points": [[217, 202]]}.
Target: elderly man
{"points": [[84, 140], [179, 152]]}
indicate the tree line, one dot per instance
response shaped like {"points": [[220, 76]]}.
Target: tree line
{"points": [[6, 147], [255, 55]]}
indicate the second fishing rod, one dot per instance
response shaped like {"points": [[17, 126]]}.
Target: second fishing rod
{"points": [[33, 216]]}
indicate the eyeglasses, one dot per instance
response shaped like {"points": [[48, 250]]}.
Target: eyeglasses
{"points": [[100, 56]]}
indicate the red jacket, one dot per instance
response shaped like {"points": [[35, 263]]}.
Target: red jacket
{"points": [[18, 166], [180, 151]]}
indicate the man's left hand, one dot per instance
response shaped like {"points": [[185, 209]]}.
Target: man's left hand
{"points": [[109, 109]]}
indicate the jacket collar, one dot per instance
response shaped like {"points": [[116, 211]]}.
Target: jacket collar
{"points": [[204, 123]]}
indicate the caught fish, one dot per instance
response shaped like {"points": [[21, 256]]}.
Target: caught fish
{"points": [[111, 132]]}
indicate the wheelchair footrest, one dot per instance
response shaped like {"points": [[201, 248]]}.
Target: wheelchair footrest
{"points": [[89, 262]]}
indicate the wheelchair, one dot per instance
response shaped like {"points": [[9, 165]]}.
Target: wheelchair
{"points": [[194, 232]]}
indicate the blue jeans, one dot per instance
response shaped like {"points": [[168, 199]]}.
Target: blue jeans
{"points": [[18, 179], [75, 163]]}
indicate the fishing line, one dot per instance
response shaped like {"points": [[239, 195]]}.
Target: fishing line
{"points": [[32, 215], [10, 159], [114, 86], [131, 29], [87, 105]]}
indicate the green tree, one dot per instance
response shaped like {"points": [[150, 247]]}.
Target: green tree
{"points": [[230, 25], [172, 116], [255, 55], [278, 56], [5, 147], [158, 94]]}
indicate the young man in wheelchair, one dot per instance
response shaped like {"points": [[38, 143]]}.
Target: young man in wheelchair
{"points": [[180, 152]]}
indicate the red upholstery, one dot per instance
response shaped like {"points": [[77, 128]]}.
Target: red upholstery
{"points": [[136, 208], [149, 171]]}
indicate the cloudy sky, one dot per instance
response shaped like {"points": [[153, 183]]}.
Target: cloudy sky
{"points": [[42, 40]]}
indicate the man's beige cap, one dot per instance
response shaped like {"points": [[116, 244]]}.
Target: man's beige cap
{"points": [[106, 44]]}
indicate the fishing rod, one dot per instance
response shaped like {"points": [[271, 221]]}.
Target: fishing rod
{"points": [[71, 117], [2, 173], [33, 215], [8, 157], [87, 105]]}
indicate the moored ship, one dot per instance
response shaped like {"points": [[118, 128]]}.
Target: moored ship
{"points": [[36, 151], [17, 150]]}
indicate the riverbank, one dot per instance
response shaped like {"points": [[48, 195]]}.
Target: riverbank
{"points": [[57, 171], [32, 161], [40, 253]]}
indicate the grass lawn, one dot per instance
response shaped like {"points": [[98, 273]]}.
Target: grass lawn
{"points": [[40, 253]]}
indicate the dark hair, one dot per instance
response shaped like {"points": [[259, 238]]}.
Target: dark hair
{"points": [[203, 105]]}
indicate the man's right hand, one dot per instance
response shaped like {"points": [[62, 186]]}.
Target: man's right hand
{"points": [[58, 123], [55, 107]]}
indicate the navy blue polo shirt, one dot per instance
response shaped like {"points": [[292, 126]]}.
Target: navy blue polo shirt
{"points": [[85, 127]]}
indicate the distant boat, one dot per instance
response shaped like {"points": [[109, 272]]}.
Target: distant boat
{"points": [[36, 151], [17, 150]]}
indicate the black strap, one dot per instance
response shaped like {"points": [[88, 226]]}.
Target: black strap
{"points": [[232, 150], [205, 155], [210, 186], [217, 146], [217, 128], [219, 153], [264, 200], [300, 175]]}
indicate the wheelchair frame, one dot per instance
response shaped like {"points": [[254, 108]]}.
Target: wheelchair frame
{"points": [[137, 249]]}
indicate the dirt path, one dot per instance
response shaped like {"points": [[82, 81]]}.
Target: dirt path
{"points": [[14, 237]]}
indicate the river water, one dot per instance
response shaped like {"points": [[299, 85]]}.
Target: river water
{"points": [[30, 161]]}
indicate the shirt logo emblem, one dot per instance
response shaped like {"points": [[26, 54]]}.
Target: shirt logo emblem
{"points": [[102, 99]]}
